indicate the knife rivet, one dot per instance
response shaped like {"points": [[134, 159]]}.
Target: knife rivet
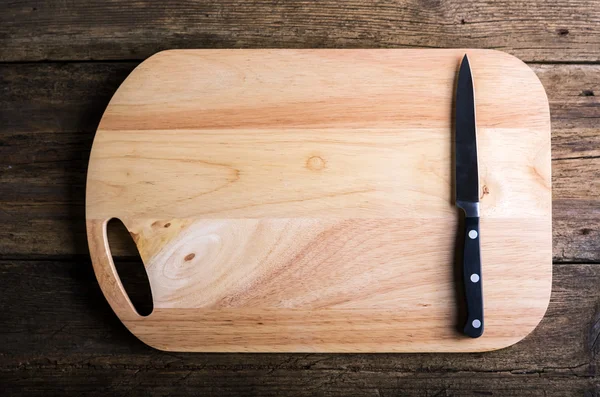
{"points": [[474, 277], [473, 234], [476, 323]]}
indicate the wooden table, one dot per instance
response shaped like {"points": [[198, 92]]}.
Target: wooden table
{"points": [[59, 65]]}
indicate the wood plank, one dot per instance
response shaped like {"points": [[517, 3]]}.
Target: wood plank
{"points": [[119, 381], [53, 110], [574, 96], [59, 334], [538, 30], [49, 116]]}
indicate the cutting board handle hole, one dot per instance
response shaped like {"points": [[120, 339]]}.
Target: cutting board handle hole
{"points": [[130, 267]]}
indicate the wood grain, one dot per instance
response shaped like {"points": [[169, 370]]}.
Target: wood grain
{"points": [[61, 338], [539, 30], [274, 198], [52, 112], [68, 341]]}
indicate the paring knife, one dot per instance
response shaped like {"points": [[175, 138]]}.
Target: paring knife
{"points": [[467, 197]]}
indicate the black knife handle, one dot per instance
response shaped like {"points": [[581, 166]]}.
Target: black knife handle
{"points": [[472, 278]]}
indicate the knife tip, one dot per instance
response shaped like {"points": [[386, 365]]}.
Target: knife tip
{"points": [[465, 62]]}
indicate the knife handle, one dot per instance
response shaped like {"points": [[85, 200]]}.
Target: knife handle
{"points": [[472, 278]]}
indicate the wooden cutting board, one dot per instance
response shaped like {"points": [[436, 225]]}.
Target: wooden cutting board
{"points": [[302, 200]]}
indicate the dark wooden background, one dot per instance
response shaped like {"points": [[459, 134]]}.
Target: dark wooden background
{"points": [[60, 62]]}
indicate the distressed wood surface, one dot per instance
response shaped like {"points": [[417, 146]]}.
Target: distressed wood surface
{"points": [[538, 30], [59, 336]]}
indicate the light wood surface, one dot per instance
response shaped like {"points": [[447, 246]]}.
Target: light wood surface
{"points": [[301, 200]]}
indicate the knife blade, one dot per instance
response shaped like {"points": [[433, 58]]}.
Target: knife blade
{"points": [[467, 197]]}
